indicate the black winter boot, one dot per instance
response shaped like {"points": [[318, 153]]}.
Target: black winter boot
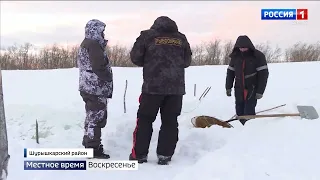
{"points": [[99, 153], [164, 160], [243, 121], [140, 160]]}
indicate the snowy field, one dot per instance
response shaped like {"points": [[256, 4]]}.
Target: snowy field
{"points": [[264, 149]]}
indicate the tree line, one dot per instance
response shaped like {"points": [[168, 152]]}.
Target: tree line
{"points": [[216, 52]]}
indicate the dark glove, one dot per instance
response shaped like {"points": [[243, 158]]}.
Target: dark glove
{"points": [[228, 92], [259, 96]]}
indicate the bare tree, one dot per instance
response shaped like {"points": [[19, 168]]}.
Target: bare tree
{"points": [[24, 54], [227, 50], [197, 55], [5, 60], [44, 59], [13, 52], [119, 56], [273, 55], [73, 53], [301, 52], [213, 52]]}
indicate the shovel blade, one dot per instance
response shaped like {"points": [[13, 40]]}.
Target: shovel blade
{"points": [[308, 112]]}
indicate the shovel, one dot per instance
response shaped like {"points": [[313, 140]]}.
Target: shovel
{"points": [[305, 112], [263, 110], [206, 121]]}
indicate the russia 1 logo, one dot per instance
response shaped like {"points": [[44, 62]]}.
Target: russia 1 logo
{"points": [[302, 14]]}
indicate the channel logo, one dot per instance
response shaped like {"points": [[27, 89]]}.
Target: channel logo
{"points": [[284, 14]]}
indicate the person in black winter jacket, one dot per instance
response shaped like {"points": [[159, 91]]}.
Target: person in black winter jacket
{"points": [[164, 53], [248, 68]]}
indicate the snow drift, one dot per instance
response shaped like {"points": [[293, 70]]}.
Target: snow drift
{"points": [[269, 148]]}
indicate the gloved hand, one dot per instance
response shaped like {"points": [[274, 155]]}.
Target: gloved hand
{"points": [[228, 92], [259, 96]]}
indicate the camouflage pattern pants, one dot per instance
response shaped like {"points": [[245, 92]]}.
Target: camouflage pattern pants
{"points": [[96, 119]]}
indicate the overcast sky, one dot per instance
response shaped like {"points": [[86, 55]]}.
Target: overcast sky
{"points": [[46, 22]]}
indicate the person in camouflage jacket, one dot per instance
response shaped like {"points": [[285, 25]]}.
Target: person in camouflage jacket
{"points": [[95, 84]]}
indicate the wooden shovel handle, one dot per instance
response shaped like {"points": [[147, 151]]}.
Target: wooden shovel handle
{"points": [[266, 115], [263, 110]]}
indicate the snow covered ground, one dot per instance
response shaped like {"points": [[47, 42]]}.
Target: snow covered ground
{"points": [[264, 149]]}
